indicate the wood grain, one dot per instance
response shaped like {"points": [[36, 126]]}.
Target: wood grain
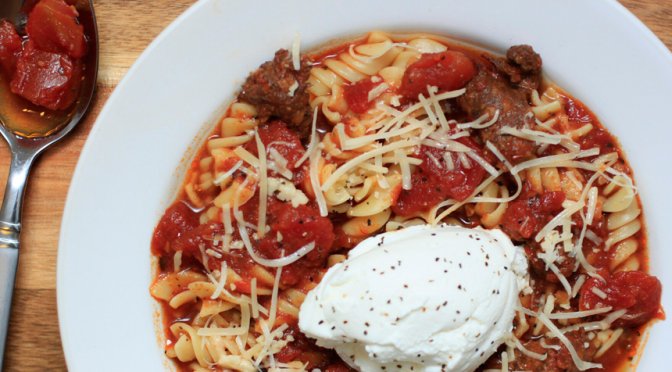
{"points": [[126, 28]]}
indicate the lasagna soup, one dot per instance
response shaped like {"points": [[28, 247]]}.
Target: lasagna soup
{"points": [[329, 152]]}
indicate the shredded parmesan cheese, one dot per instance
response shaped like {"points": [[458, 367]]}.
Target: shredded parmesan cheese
{"points": [[433, 159], [278, 163], [405, 169], [224, 176], [572, 208], [284, 261], [296, 50], [449, 160], [477, 124], [536, 136], [527, 352], [221, 282], [377, 91], [579, 314], [274, 298], [263, 186], [286, 191], [562, 278], [599, 293], [593, 237], [577, 286], [612, 340], [246, 156], [293, 88], [547, 346], [362, 158], [592, 204], [255, 303], [482, 162], [315, 183]]}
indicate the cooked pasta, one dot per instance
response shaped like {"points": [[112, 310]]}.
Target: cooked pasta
{"points": [[323, 151]]}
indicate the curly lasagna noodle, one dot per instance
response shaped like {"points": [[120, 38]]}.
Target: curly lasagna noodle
{"points": [[321, 151]]}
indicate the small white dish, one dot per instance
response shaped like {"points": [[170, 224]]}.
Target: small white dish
{"points": [[134, 157]]}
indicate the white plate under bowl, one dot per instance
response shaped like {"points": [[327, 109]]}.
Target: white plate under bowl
{"points": [[135, 154]]}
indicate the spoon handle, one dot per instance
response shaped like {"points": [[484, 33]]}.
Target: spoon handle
{"points": [[9, 258], [10, 229]]}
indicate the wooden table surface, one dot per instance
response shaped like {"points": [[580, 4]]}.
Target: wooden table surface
{"points": [[126, 28]]}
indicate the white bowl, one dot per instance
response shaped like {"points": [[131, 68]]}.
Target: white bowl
{"points": [[135, 155]]}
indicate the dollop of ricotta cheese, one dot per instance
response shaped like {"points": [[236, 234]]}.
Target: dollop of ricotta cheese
{"points": [[435, 299]]}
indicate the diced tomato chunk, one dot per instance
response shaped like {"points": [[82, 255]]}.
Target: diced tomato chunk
{"points": [[288, 354], [298, 227], [598, 137], [243, 286], [577, 112], [53, 27], [357, 95], [447, 70], [530, 212], [519, 218], [635, 291], [551, 201], [47, 79], [178, 221], [278, 137], [10, 47], [434, 182]]}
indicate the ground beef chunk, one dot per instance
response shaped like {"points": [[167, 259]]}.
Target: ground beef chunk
{"points": [[506, 89], [277, 90], [487, 93], [522, 65], [525, 57]]}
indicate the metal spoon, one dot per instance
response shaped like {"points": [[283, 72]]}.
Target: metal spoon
{"points": [[26, 148]]}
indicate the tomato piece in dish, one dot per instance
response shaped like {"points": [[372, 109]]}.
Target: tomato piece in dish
{"points": [[53, 27], [178, 221], [357, 95], [47, 79], [298, 226], [435, 182], [635, 291], [447, 70], [529, 213], [278, 140], [10, 47]]}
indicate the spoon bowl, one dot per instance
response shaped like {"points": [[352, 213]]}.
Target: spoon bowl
{"points": [[25, 147]]}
